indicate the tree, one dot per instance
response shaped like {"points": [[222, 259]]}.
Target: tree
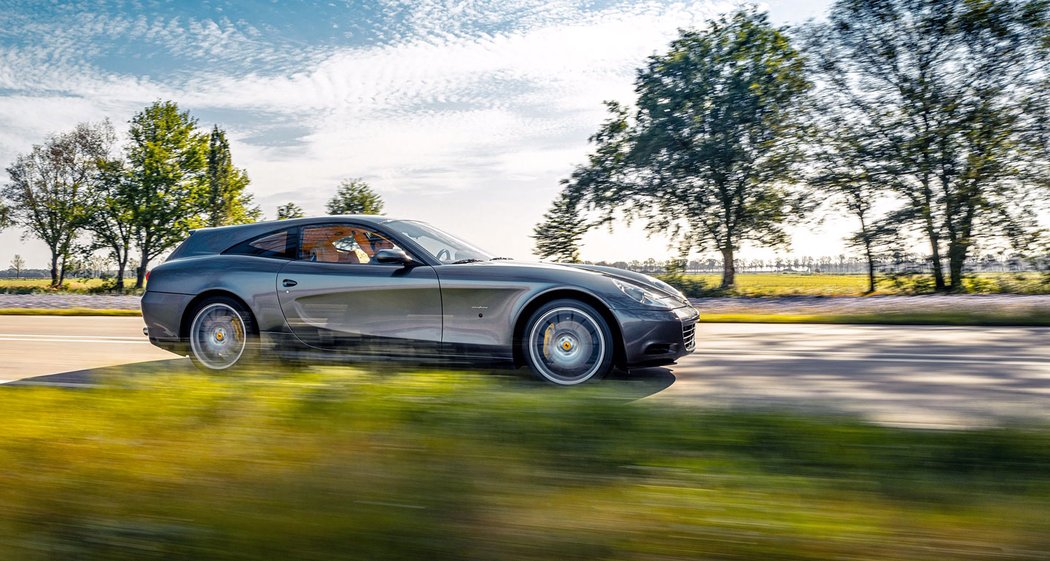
{"points": [[227, 202], [845, 173], [289, 211], [18, 263], [111, 225], [49, 194], [945, 85], [167, 164], [558, 236], [712, 146], [354, 196]]}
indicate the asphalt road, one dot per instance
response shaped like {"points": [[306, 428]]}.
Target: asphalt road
{"points": [[926, 376]]}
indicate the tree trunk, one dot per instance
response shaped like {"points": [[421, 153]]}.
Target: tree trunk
{"points": [[728, 269], [956, 260], [121, 265], [938, 274], [54, 269], [871, 267], [62, 272], [140, 273]]}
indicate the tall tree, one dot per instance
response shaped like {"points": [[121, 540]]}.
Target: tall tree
{"points": [[558, 235], [354, 196], [167, 161], [111, 224], [945, 84], [845, 173], [18, 263], [711, 149], [227, 202], [289, 211], [50, 190]]}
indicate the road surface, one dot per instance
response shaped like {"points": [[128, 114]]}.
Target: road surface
{"points": [[911, 375]]}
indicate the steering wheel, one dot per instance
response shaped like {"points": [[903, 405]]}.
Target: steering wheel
{"points": [[444, 256]]}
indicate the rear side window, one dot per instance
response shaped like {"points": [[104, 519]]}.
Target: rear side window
{"points": [[277, 245]]}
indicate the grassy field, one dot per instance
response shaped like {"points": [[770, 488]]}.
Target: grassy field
{"points": [[339, 464], [856, 285]]}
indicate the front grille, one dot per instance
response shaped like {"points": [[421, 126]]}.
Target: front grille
{"points": [[689, 335]]}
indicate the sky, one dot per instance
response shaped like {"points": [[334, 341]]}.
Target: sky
{"points": [[465, 114]]}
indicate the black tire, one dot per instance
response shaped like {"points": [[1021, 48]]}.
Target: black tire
{"points": [[567, 342], [222, 335]]}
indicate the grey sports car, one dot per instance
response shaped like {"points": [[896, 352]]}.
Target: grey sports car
{"points": [[345, 287]]}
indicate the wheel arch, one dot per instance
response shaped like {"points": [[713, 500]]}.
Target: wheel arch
{"points": [[191, 308], [619, 353]]}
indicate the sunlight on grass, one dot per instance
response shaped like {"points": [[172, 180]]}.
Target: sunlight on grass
{"points": [[771, 284], [335, 463]]}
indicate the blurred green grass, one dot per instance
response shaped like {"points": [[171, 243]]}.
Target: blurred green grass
{"points": [[337, 463]]}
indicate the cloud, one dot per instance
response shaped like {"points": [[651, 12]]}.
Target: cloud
{"points": [[449, 107]]}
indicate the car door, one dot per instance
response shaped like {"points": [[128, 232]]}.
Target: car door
{"points": [[335, 297]]}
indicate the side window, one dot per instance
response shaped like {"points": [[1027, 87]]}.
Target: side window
{"points": [[277, 245], [341, 243]]}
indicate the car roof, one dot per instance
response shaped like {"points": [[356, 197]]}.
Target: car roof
{"points": [[206, 241], [270, 224]]}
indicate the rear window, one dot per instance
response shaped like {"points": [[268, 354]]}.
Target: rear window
{"points": [[277, 245]]}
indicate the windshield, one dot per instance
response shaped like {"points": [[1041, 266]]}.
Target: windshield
{"points": [[441, 246]]}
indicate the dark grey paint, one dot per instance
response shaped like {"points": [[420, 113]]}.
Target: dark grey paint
{"points": [[470, 308]]}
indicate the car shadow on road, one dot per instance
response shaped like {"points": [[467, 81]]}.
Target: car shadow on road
{"points": [[628, 386], [97, 377]]}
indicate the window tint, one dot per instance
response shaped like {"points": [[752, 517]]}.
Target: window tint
{"points": [[278, 245], [341, 243]]}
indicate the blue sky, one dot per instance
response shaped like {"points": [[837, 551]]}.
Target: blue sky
{"points": [[465, 114]]}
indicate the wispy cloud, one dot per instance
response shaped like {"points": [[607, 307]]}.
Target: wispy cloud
{"points": [[451, 108]]}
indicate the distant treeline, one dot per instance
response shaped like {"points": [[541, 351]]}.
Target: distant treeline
{"points": [[841, 264]]}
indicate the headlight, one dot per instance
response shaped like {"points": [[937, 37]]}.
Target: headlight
{"points": [[670, 289], [647, 297]]}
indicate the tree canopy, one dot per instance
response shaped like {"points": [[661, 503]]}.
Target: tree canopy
{"points": [[167, 165], [707, 154], [945, 89], [355, 196], [289, 211], [558, 235], [50, 189], [228, 202]]}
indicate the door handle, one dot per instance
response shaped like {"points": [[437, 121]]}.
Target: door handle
{"points": [[288, 283]]}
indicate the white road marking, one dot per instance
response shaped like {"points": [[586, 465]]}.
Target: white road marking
{"points": [[127, 341]]}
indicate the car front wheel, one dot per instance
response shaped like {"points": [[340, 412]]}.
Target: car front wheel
{"points": [[221, 334], [567, 342]]}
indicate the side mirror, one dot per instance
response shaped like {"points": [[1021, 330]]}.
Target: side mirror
{"points": [[392, 257]]}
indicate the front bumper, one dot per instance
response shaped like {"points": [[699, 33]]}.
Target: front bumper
{"points": [[657, 337]]}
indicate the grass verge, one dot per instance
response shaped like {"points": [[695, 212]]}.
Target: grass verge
{"points": [[1026, 319], [341, 464], [66, 312]]}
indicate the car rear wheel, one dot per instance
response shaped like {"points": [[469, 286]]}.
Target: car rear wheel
{"points": [[567, 342], [221, 335]]}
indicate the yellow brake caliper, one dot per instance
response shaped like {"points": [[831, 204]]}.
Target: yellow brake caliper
{"points": [[548, 334]]}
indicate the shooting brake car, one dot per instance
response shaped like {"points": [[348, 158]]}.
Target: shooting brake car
{"points": [[346, 287]]}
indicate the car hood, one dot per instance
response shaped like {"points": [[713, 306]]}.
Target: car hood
{"points": [[582, 272]]}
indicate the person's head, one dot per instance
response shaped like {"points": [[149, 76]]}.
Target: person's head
{"points": [[378, 242]]}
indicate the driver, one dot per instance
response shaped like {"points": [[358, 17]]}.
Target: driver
{"points": [[376, 243]]}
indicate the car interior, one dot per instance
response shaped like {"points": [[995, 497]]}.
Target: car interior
{"points": [[341, 244]]}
